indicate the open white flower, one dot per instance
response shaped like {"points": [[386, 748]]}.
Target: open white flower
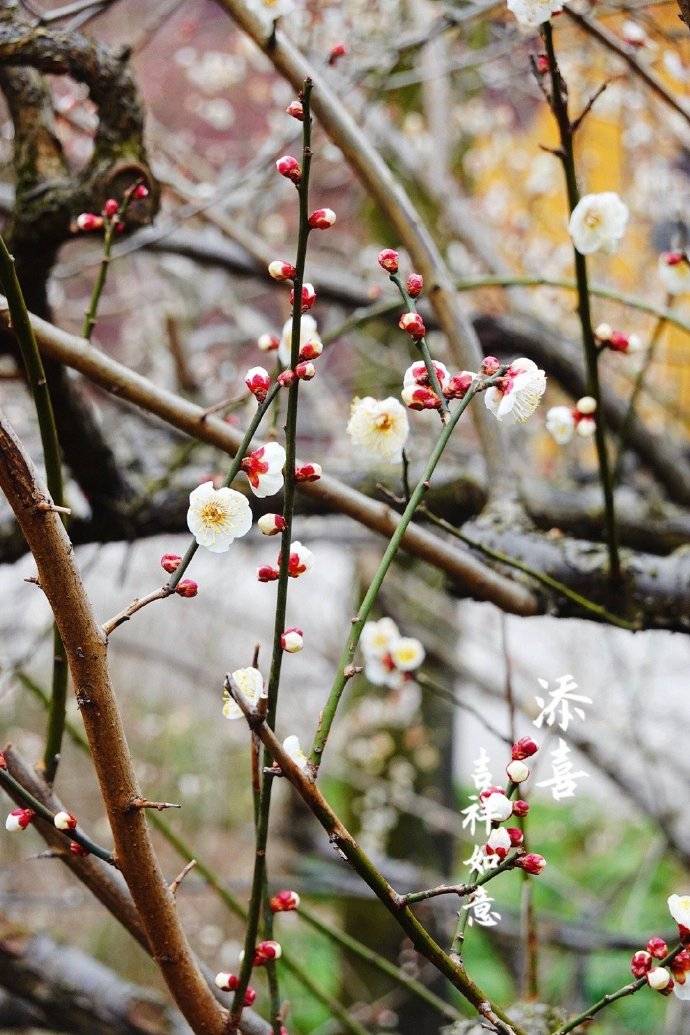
{"points": [[382, 672], [560, 424], [519, 393], [216, 517], [378, 637], [264, 469], [598, 222], [379, 428], [407, 653], [308, 331], [292, 747], [251, 684], [679, 908], [674, 272], [531, 13]]}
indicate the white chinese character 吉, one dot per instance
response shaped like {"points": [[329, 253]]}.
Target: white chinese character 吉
{"points": [[561, 699], [481, 777], [480, 911], [563, 783]]}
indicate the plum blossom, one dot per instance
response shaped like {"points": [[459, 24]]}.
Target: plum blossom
{"points": [[301, 559], [598, 222], [251, 684], [264, 469], [216, 517], [407, 653], [389, 658], [560, 424], [679, 908], [308, 331], [379, 428], [531, 13], [517, 395], [497, 806], [377, 637], [292, 748], [674, 272]]}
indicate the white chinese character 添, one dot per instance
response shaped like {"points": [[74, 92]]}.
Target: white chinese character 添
{"points": [[562, 697]]}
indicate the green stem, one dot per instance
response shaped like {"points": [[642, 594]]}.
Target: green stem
{"points": [[90, 316], [259, 879], [559, 106], [411, 306], [345, 671], [38, 385]]}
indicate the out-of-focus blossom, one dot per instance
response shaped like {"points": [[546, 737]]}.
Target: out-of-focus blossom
{"points": [[598, 222], [379, 428]]}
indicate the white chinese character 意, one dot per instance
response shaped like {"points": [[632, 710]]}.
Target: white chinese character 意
{"points": [[480, 911], [562, 697], [563, 782]]}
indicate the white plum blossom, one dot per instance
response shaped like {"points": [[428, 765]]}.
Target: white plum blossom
{"points": [[379, 428], [679, 908], [560, 424], [301, 559], [388, 656], [292, 748], [518, 394], [497, 806], [598, 222], [378, 637], [308, 331], [250, 682], [407, 653], [272, 9], [216, 517], [674, 272], [264, 469], [531, 13], [499, 841]]}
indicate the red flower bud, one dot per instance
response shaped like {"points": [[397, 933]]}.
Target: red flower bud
{"points": [[111, 208], [542, 64], [305, 371], [415, 285], [289, 167], [413, 324], [286, 378], [311, 349], [657, 947], [170, 562], [278, 269], [520, 807], [296, 109], [516, 836], [258, 382], [250, 996], [458, 385], [640, 964], [322, 219], [267, 951], [338, 50], [284, 901], [77, 849], [531, 863], [187, 588], [140, 191], [388, 260], [266, 573], [524, 748], [19, 819], [88, 221], [490, 365], [308, 297], [307, 472], [419, 397]]}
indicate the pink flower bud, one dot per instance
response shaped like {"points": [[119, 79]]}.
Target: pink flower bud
{"points": [[292, 640], [266, 573], [337, 51], [250, 996], [520, 807], [657, 947], [140, 191], [19, 819], [89, 221], [516, 836], [531, 863], [286, 378], [413, 324], [268, 343], [296, 109], [280, 270], [187, 588], [308, 297], [64, 821], [419, 397], [388, 260], [458, 386], [170, 562], [322, 219], [258, 382], [673, 258], [311, 349], [640, 964], [266, 951], [659, 978], [415, 285], [77, 849], [284, 901], [524, 748], [490, 365], [111, 208], [289, 167], [305, 371], [542, 64], [271, 524], [226, 982], [517, 771], [310, 472]]}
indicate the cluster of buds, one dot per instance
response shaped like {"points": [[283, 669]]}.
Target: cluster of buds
{"points": [[562, 422], [284, 901], [616, 341], [170, 562], [417, 392], [229, 983], [499, 808], [299, 562], [112, 211], [661, 979]]}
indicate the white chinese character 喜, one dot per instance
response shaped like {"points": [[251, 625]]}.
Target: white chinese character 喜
{"points": [[563, 783]]}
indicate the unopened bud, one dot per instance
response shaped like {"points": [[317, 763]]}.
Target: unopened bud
{"points": [[271, 524], [258, 381], [640, 964], [187, 588], [111, 208], [268, 342], [415, 285], [266, 951], [140, 191], [77, 849], [531, 863], [516, 836], [659, 979], [289, 167], [284, 901], [322, 219], [296, 109], [310, 472], [458, 385], [586, 405], [657, 947], [308, 297], [388, 260], [524, 748], [520, 807], [305, 371], [419, 397], [292, 640], [266, 573], [64, 821], [89, 221], [280, 270], [413, 324], [170, 562], [286, 378], [337, 51], [490, 366], [311, 349], [19, 819]]}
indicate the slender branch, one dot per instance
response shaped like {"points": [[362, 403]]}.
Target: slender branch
{"points": [[124, 616], [461, 890], [421, 343], [90, 316], [187, 868], [559, 107]]}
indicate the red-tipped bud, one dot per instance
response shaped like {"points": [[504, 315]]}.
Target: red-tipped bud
{"points": [[267, 573], [517, 771], [280, 270], [490, 366], [657, 947], [77, 849], [337, 51], [419, 397], [140, 192], [308, 297], [524, 748], [520, 807], [322, 219], [266, 951], [111, 208], [258, 381], [415, 285], [388, 260], [413, 324], [531, 863], [310, 472], [268, 342], [296, 109], [305, 371], [89, 221], [64, 821], [286, 378], [458, 386], [19, 819], [516, 836], [170, 562], [250, 996], [284, 901], [542, 63], [289, 167], [311, 349], [187, 588], [640, 964], [271, 524], [488, 791], [292, 640]]}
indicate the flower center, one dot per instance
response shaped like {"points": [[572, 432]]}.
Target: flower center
{"points": [[592, 220], [213, 515], [384, 422]]}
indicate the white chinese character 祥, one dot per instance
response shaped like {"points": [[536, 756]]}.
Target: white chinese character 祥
{"points": [[480, 911], [563, 783], [560, 704], [475, 814]]}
